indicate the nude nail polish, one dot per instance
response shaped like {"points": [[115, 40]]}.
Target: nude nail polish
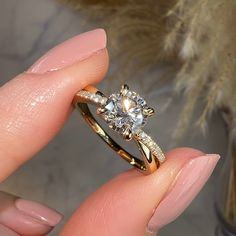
{"points": [[73, 50], [24, 216], [38, 211], [187, 185]]}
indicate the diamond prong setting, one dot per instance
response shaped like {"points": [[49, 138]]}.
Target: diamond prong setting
{"points": [[127, 134], [148, 111], [124, 89], [125, 112], [101, 110], [100, 94]]}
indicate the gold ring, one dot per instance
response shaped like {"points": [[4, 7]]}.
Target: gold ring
{"points": [[126, 113]]}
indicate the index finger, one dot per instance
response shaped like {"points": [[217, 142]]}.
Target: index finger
{"points": [[35, 105]]}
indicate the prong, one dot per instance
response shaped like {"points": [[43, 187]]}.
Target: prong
{"points": [[125, 86], [100, 93], [127, 134], [148, 111], [100, 110], [124, 89]]}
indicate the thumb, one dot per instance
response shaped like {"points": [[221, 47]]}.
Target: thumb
{"points": [[134, 204]]}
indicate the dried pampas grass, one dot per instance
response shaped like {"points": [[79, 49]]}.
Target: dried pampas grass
{"points": [[136, 32], [204, 33], [196, 36]]}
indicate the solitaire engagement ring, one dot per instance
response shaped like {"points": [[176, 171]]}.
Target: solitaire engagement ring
{"points": [[126, 113]]}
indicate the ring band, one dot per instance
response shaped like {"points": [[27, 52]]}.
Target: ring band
{"points": [[125, 112]]}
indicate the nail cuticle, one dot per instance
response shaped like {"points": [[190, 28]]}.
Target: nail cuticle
{"points": [[85, 58], [4, 230], [95, 53]]}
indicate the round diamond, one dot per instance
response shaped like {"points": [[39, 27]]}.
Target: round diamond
{"points": [[125, 111]]}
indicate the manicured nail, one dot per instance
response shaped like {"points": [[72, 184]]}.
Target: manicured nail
{"points": [[39, 212], [73, 50], [187, 185], [26, 217], [4, 231]]}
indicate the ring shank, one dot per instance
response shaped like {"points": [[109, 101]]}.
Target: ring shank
{"points": [[88, 116]]}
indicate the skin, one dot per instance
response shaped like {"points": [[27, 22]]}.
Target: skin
{"points": [[44, 104]]}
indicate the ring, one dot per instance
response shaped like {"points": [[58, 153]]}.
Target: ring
{"points": [[126, 113]]}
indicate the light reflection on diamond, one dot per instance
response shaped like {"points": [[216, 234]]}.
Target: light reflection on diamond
{"points": [[110, 106], [124, 112]]}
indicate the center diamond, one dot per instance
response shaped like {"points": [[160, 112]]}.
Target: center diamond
{"points": [[126, 111]]}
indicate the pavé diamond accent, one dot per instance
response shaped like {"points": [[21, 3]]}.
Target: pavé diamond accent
{"points": [[148, 141], [93, 98]]}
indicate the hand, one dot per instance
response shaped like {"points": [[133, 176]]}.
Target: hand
{"points": [[33, 108]]}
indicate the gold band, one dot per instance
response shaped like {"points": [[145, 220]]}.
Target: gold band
{"points": [[149, 162]]}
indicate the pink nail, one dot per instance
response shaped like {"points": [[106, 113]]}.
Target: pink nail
{"points": [[75, 49], [39, 212], [188, 184], [25, 216]]}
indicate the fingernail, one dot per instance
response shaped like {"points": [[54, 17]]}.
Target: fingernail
{"points": [[41, 213], [73, 50], [27, 217], [4, 231], [187, 185]]}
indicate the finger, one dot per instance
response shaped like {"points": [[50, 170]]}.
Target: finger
{"points": [[6, 231], [25, 217], [125, 205], [33, 107]]}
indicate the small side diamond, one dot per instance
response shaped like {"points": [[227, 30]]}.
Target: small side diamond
{"points": [[103, 101], [96, 99], [93, 98], [147, 140]]}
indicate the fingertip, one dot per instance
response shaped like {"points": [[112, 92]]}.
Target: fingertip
{"points": [[26, 217], [124, 205], [5, 231], [185, 187]]}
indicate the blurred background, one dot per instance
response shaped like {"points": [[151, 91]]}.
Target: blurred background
{"points": [[71, 167]]}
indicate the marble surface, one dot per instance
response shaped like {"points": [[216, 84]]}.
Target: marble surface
{"points": [[64, 172]]}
